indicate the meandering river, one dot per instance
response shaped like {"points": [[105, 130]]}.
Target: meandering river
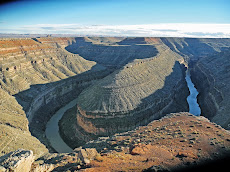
{"points": [[194, 107], [52, 129]]}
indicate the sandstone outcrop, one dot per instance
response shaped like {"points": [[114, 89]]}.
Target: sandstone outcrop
{"points": [[86, 155], [17, 161], [23, 161]]}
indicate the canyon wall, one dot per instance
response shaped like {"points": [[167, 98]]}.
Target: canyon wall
{"points": [[212, 77], [209, 60]]}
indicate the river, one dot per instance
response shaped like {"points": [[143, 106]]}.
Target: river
{"points": [[194, 107], [52, 129]]}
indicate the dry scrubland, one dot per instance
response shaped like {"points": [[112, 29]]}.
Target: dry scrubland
{"points": [[174, 142], [178, 141]]}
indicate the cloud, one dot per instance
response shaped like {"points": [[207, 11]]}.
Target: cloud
{"points": [[165, 30], [148, 30], [48, 28]]}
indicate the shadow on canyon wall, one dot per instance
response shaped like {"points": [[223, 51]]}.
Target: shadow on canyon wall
{"points": [[113, 55]]}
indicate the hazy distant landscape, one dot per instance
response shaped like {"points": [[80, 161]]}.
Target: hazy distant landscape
{"points": [[84, 87]]}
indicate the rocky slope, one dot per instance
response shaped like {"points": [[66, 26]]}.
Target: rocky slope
{"points": [[177, 142], [14, 131], [210, 59], [131, 96], [212, 77]]}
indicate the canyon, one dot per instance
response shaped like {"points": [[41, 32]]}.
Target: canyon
{"points": [[118, 84]]}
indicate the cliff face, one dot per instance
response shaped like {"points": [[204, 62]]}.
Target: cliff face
{"points": [[43, 77], [131, 96], [211, 76], [26, 62]]}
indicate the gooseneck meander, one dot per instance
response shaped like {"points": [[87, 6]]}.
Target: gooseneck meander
{"points": [[52, 128]]}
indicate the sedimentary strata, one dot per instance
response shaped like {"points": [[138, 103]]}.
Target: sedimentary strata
{"points": [[114, 52]]}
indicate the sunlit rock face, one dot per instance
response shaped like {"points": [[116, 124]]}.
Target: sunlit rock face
{"points": [[176, 142]]}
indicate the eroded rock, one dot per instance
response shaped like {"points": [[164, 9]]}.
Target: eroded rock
{"points": [[88, 154], [17, 161]]}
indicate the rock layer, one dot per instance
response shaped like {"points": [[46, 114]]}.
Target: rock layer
{"points": [[194, 49], [115, 53]]}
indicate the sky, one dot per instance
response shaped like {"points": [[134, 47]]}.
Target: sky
{"points": [[175, 18]]}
